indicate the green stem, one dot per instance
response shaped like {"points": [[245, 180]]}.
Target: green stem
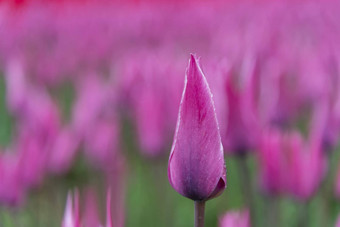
{"points": [[199, 213]]}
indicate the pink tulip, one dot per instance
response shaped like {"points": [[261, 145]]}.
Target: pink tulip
{"points": [[151, 100], [108, 210], [235, 219], [116, 178], [38, 126], [288, 164], [71, 214], [101, 143], [12, 190], [16, 86], [63, 151], [90, 217], [272, 177], [40, 115], [242, 132], [196, 166], [90, 101]]}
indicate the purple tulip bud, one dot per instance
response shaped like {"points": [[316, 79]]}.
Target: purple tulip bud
{"points": [[243, 129], [150, 120], [116, 176], [91, 98], [196, 165], [68, 215], [102, 144], [337, 184], [16, 86], [308, 167], [272, 180]]}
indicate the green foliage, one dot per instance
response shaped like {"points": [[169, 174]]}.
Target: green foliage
{"points": [[6, 121]]}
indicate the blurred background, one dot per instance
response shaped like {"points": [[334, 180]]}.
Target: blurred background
{"points": [[89, 96]]}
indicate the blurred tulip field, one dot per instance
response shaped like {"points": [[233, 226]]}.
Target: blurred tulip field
{"points": [[98, 101]]}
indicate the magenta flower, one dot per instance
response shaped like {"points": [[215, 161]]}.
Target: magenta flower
{"points": [[235, 219], [243, 129], [90, 217], [16, 86], [71, 214], [288, 164], [196, 166], [12, 190], [63, 151]]}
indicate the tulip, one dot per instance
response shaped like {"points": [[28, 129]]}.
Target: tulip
{"points": [[102, 144], [12, 190], [31, 156], [116, 175], [16, 86], [196, 167], [243, 130], [63, 151], [90, 217], [150, 122], [272, 179], [71, 214], [235, 219], [280, 154]]}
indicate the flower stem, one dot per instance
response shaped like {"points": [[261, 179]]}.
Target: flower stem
{"points": [[199, 213]]}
